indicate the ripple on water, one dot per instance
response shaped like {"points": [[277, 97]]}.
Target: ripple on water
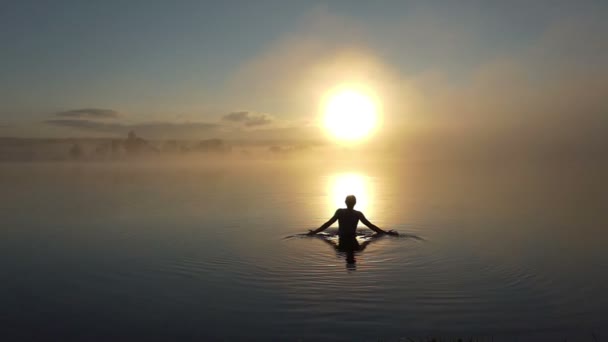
{"points": [[414, 277], [401, 283]]}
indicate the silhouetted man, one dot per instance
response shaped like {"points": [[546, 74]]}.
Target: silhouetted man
{"points": [[347, 220]]}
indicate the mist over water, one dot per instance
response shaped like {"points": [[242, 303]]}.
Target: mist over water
{"points": [[161, 250]]}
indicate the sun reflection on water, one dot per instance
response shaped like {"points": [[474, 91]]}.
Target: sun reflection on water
{"points": [[343, 184]]}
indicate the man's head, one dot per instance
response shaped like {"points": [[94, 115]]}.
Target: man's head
{"points": [[350, 201]]}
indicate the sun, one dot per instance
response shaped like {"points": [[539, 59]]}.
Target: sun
{"points": [[350, 114]]}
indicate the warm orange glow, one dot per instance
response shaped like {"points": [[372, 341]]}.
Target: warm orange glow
{"points": [[350, 114], [341, 185]]}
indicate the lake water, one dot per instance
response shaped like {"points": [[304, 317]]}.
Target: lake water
{"points": [[184, 251]]}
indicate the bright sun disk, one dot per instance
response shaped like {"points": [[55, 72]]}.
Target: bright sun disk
{"points": [[350, 114]]}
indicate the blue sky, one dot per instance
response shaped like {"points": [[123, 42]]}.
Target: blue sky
{"points": [[180, 62]]}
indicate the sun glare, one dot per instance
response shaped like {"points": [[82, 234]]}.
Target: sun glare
{"points": [[350, 114], [343, 184]]}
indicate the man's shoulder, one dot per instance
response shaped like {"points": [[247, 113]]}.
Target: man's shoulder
{"points": [[357, 213]]}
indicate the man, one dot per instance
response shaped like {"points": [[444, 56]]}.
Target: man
{"points": [[348, 219], [347, 232]]}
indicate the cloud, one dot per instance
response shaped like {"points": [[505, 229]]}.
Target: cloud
{"points": [[170, 129], [248, 119], [151, 129], [258, 121], [89, 113], [236, 116]]}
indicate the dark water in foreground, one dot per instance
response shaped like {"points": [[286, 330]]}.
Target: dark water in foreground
{"points": [[125, 252]]}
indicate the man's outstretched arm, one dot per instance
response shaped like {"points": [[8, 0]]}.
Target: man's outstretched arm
{"points": [[325, 225], [373, 226]]}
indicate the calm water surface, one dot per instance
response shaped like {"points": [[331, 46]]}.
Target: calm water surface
{"points": [[183, 251]]}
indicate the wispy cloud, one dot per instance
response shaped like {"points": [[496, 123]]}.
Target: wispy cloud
{"points": [[233, 124], [89, 113], [236, 116], [258, 121], [248, 119], [154, 129]]}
